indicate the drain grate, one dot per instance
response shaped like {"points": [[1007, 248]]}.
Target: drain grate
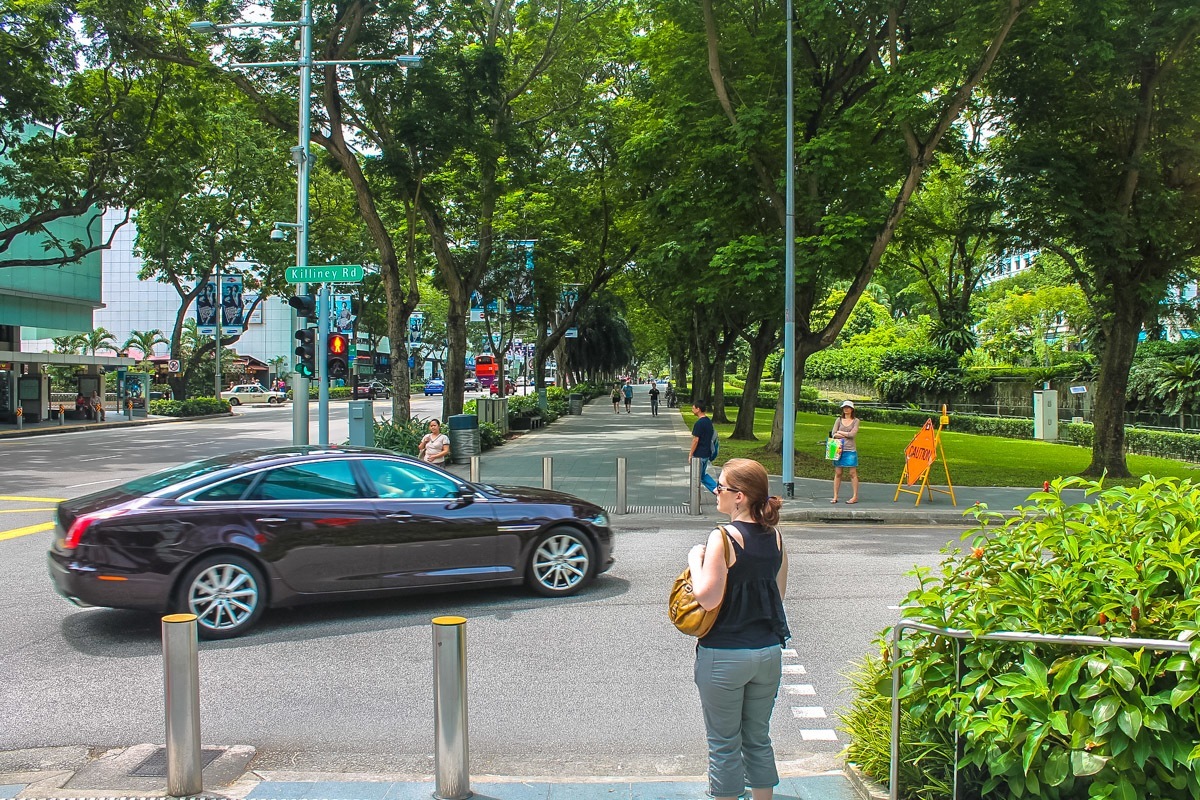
{"points": [[661, 510], [156, 765]]}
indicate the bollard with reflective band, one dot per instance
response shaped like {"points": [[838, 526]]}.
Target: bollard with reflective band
{"points": [[547, 472], [474, 469], [694, 478], [622, 480], [181, 676], [451, 762]]}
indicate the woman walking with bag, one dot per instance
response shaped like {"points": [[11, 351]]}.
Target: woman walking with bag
{"points": [[739, 661], [845, 429]]}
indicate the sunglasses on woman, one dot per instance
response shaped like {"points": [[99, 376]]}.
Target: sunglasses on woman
{"points": [[723, 488]]}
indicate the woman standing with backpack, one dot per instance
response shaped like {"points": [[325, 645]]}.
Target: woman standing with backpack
{"points": [[616, 398]]}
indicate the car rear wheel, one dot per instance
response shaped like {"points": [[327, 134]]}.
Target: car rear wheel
{"points": [[227, 594], [233, 401], [561, 563], [272, 401]]}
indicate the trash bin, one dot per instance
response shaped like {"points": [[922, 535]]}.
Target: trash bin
{"points": [[464, 438], [576, 401]]}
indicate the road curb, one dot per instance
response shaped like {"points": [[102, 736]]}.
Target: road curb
{"points": [[880, 516]]}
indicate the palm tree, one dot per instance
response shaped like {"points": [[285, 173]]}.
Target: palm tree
{"points": [[99, 339], [1178, 383], [144, 341], [68, 344]]}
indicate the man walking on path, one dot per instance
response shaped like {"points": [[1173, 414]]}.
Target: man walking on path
{"points": [[628, 392], [703, 434], [653, 398]]}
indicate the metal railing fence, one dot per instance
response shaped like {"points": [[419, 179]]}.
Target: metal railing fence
{"points": [[1065, 640]]}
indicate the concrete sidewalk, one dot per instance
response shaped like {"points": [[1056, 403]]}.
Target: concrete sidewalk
{"points": [[585, 449]]}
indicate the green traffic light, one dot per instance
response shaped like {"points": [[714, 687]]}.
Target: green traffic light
{"points": [[304, 370]]}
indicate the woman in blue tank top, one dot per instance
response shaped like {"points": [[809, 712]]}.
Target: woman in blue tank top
{"points": [[740, 661]]}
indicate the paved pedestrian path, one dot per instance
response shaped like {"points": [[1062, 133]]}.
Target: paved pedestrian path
{"points": [[585, 449]]}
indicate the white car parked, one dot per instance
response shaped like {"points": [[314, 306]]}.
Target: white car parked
{"points": [[252, 393]]}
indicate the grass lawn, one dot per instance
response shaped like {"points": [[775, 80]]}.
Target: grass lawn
{"points": [[974, 460]]}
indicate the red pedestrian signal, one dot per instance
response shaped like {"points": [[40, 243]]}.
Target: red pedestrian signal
{"points": [[338, 353]]}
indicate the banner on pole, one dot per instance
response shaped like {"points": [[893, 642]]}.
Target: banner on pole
{"points": [[233, 309]]}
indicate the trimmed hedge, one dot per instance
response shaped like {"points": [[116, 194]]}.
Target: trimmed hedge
{"points": [[196, 407], [1163, 444]]}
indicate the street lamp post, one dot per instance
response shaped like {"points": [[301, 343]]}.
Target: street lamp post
{"points": [[300, 155], [789, 288]]}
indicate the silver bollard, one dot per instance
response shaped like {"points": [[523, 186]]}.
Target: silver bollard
{"points": [[694, 472], [474, 469], [622, 479], [181, 676], [547, 472], [451, 760]]}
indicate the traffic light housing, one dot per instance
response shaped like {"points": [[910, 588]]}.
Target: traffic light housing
{"points": [[338, 354], [306, 364], [305, 305]]}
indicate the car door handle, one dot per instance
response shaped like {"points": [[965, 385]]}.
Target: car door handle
{"points": [[400, 515], [271, 520]]}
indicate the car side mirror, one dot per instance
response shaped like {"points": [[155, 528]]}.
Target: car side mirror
{"points": [[463, 497]]}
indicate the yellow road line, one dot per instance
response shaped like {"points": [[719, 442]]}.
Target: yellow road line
{"points": [[22, 510], [20, 499], [15, 532]]}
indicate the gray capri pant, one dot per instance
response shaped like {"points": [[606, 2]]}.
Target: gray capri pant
{"points": [[738, 690]]}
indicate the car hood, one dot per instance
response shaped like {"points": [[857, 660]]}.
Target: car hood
{"points": [[530, 494]]}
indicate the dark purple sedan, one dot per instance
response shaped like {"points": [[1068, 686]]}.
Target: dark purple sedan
{"points": [[227, 537]]}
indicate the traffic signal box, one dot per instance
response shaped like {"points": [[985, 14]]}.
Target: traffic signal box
{"points": [[339, 353], [306, 364], [305, 305]]}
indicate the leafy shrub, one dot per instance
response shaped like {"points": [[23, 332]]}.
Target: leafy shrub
{"points": [[471, 407], [845, 363], [1051, 722], [773, 366], [907, 359], [196, 407], [490, 435], [401, 436], [894, 386], [809, 393]]}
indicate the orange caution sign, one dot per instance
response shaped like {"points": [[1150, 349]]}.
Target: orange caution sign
{"points": [[920, 453], [925, 448]]}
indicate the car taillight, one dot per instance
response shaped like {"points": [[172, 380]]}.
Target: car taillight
{"points": [[81, 524]]}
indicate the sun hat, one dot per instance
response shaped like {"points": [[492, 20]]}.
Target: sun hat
{"points": [[848, 404]]}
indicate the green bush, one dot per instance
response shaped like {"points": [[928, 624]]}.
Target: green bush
{"points": [[196, 407], [908, 359], [1063, 723], [401, 436], [845, 363], [490, 435]]}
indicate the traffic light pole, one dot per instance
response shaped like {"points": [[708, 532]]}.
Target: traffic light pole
{"points": [[300, 390], [323, 365]]}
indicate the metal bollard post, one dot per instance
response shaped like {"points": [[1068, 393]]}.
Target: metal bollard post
{"points": [[451, 760], [62, 415], [181, 676], [694, 478], [622, 478], [20, 418], [547, 472], [474, 469]]}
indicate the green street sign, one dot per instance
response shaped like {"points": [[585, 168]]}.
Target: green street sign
{"points": [[327, 273]]}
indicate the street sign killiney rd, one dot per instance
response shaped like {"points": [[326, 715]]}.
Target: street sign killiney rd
{"points": [[326, 273]]}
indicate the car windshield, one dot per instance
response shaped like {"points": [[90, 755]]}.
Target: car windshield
{"points": [[168, 477]]}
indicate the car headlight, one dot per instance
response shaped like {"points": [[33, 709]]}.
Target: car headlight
{"points": [[600, 520]]}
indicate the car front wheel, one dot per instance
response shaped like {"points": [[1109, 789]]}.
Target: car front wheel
{"points": [[233, 401], [227, 594], [561, 563]]}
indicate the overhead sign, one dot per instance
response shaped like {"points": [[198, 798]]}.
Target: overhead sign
{"points": [[920, 453], [326, 273]]}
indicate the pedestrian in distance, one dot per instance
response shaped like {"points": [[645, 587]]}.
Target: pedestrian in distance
{"points": [[739, 662], [703, 437], [435, 445], [845, 429], [653, 398], [616, 398], [628, 392]]}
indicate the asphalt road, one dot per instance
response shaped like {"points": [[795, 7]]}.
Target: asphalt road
{"points": [[598, 684]]}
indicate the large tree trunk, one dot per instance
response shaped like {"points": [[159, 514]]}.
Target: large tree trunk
{"points": [[775, 445], [760, 347], [1108, 436]]}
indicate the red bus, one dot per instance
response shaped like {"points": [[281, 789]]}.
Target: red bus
{"points": [[486, 369]]}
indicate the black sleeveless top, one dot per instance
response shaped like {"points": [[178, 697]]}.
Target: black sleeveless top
{"points": [[752, 615]]}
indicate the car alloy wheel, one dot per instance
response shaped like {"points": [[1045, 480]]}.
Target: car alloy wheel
{"points": [[233, 401], [561, 562], [226, 593]]}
